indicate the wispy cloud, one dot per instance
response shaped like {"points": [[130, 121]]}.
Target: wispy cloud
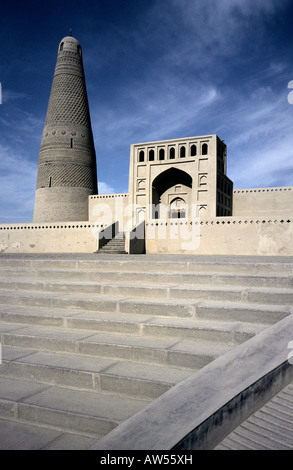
{"points": [[261, 143], [104, 188], [17, 186], [11, 95]]}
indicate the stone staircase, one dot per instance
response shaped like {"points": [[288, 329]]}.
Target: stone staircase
{"points": [[270, 428], [114, 246], [89, 341]]}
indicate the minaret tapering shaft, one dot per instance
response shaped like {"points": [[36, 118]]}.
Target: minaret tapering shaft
{"points": [[67, 162]]}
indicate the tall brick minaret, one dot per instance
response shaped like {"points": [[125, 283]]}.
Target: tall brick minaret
{"points": [[67, 162]]}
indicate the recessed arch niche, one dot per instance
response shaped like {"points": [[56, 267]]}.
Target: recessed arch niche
{"points": [[170, 185]]}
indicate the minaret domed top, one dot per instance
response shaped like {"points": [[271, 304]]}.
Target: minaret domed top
{"points": [[69, 43]]}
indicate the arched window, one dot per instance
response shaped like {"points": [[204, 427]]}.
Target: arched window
{"points": [[177, 208], [182, 152], [151, 155], [193, 151], [79, 49], [204, 149], [162, 154], [172, 153], [141, 156], [61, 46]]}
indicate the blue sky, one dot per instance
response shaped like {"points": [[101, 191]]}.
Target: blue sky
{"points": [[155, 69]]}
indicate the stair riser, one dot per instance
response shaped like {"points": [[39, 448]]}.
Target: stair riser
{"points": [[90, 325], [47, 302], [98, 305], [113, 246], [159, 331], [163, 279], [8, 409], [133, 307], [133, 388], [131, 353], [283, 298], [99, 264], [240, 314], [90, 426], [260, 297], [112, 252], [84, 380], [27, 319], [200, 334], [147, 355], [130, 328]]}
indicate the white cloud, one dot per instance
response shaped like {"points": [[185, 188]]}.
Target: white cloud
{"points": [[17, 186], [262, 146], [105, 188], [11, 95]]}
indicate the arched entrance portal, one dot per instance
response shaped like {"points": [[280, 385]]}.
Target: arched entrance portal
{"points": [[171, 194]]}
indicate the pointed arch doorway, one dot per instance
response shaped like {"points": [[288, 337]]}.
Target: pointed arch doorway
{"points": [[171, 194]]}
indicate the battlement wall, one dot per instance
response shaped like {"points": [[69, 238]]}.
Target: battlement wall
{"points": [[253, 236], [263, 201], [57, 237]]}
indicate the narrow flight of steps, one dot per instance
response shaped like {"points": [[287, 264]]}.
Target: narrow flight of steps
{"points": [[114, 246], [89, 341], [269, 428]]}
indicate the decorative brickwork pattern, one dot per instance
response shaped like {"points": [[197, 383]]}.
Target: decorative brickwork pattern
{"points": [[65, 175], [68, 101]]}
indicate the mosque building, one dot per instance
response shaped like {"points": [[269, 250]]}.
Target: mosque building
{"points": [[180, 199]]}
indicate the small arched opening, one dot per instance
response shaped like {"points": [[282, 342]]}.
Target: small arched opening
{"points": [[182, 152], [193, 150], [172, 153], [204, 149], [151, 155]]}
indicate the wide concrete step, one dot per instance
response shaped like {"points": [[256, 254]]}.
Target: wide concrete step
{"points": [[156, 263], [16, 435], [270, 428], [140, 277], [222, 331], [90, 413], [210, 310], [109, 375], [186, 353], [271, 295]]}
